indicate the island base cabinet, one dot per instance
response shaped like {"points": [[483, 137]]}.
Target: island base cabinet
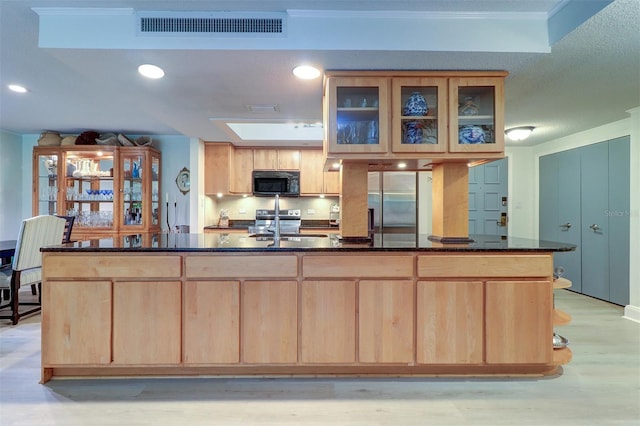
{"points": [[65, 338], [449, 322], [211, 322], [147, 322], [519, 322], [269, 322], [385, 325], [328, 321]]}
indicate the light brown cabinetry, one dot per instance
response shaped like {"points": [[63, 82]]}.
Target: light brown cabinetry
{"points": [[359, 105], [241, 168], [386, 318], [328, 321], [108, 189], [269, 327], [147, 322], [217, 160], [216, 304], [313, 179], [519, 312], [449, 322], [276, 159], [66, 339]]}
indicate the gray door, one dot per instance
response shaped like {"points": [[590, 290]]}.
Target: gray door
{"points": [[618, 215], [488, 198], [595, 223]]}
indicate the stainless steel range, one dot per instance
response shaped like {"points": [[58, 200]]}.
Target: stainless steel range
{"points": [[265, 221]]}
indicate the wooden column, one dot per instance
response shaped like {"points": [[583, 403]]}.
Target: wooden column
{"points": [[450, 198], [353, 201]]}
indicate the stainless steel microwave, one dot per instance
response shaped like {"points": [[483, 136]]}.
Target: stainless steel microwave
{"points": [[267, 183]]}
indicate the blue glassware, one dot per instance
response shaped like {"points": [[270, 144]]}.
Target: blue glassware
{"points": [[471, 135], [413, 133], [415, 105]]}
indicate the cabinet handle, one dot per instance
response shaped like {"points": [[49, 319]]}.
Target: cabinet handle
{"points": [[566, 225], [595, 227]]}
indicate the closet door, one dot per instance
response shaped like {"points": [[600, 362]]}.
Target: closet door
{"points": [[595, 223], [618, 214]]}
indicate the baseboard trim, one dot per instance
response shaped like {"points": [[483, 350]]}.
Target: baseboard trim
{"points": [[632, 313]]}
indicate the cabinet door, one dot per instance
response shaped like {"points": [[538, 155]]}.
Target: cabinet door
{"points": [[332, 183], [92, 190], [519, 322], [211, 322], [76, 322], [269, 327], [385, 321], [241, 168], [288, 159], [358, 114], [216, 165], [328, 322], [265, 159], [419, 110], [449, 322], [153, 190], [133, 217], [147, 325], [476, 114], [311, 174], [47, 168]]}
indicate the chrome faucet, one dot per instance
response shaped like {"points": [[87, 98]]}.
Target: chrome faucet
{"points": [[276, 230]]}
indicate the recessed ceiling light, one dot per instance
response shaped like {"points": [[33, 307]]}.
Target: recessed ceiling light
{"points": [[402, 165], [306, 72], [17, 88], [336, 165], [519, 133], [151, 71]]}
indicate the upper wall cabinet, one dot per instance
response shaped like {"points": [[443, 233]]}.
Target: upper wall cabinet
{"points": [[357, 114], [413, 115], [276, 159]]}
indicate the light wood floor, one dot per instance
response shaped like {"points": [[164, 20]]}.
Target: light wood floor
{"points": [[601, 386]]}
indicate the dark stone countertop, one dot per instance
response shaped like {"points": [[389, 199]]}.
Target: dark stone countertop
{"points": [[240, 242]]}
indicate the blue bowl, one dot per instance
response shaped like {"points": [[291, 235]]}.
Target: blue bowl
{"points": [[471, 135]]}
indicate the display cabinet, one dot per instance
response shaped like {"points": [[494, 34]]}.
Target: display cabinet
{"points": [[419, 115], [108, 189], [476, 114], [357, 113]]}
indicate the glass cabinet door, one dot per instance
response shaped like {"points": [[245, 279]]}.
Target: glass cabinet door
{"points": [[419, 109], [88, 189], [358, 114], [155, 190], [133, 203], [46, 193], [476, 114]]}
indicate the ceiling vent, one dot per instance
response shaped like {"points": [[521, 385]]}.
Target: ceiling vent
{"points": [[212, 24]]}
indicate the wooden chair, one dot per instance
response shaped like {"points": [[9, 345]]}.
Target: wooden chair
{"points": [[26, 268], [68, 227]]}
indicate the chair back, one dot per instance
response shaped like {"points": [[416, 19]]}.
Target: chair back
{"points": [[68, 227], [36, 232]]}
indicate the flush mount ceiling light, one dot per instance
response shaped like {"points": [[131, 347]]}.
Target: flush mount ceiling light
{"points": [[151, 71], [519, 133], [306, 72], [17, 88]]}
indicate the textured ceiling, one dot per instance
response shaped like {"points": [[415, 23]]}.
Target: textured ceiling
{"points": [[589, 78]]}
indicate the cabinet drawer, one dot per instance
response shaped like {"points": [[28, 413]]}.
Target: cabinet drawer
{"points": [[106, 266], [474, 266], [357, 266], [241, 266]]}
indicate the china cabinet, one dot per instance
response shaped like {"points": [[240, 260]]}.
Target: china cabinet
{"points": [[108, 189]]}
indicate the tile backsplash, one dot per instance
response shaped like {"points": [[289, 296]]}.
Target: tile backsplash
{"points": [[244, 208]]}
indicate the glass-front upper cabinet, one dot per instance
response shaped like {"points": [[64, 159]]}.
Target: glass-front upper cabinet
{"points": [[140, 189], [476, 114], [419, 111], [89, 192], [357, 108], [47, 167]]}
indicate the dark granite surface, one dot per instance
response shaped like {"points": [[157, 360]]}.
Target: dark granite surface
{"points": [[239, 242]]}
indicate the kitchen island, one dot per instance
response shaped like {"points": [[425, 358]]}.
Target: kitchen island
{"points": [[232, 304]]}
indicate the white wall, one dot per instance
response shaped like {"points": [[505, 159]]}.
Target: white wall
{"points": [[12, 189]]}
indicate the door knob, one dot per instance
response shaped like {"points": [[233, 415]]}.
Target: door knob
{"points": [[595, 227], [566, 225]]}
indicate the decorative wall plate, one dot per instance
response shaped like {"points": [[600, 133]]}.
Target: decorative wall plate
{"points": [[184, 180]]}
